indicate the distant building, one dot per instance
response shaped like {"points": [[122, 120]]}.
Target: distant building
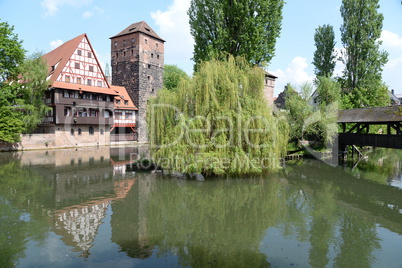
{"points": [[137, 64], [280, 101], [269, 87]]}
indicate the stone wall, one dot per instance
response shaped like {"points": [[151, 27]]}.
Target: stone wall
{"points": [[62, 138]]}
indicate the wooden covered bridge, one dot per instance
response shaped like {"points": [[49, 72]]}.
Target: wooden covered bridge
{"points": [[356, 126]]}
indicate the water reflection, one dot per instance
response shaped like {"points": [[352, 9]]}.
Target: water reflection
{"points": [[94, 212]]}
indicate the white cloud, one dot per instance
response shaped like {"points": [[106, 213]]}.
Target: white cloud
{"points": [[391, 40], [175, 29], [56, 43], [294, 74], [52, 6], [89, 14]]}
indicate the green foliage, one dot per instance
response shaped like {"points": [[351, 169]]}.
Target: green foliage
{"points": [[298, 110], [318, 125], [21, 102], [216, 123], [246, 28], [11, 53], [360, 32], [172, 75], [324, 57]]}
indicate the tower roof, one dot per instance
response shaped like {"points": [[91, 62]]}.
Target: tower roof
{"points": [[141, 27]]}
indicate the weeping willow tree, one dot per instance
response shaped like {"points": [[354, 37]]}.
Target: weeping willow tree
{"points": [[217, 123]]}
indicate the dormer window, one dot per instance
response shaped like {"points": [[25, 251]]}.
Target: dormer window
{"points": [[118, 102], [126, 102]]}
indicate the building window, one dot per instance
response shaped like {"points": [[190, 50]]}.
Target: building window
{"points": [[149, 66], [115, 44], [133, 40], [125, 102], [146, 41], [124, 42], [124, 54], [152, 55], [79, 80], [99, 83], [77, 65], [117, 55], [72, 132], [101, 132], [118, 115], [82, 112], [157, 45], [91, 68], [93, 113], [79, 132], [67, 78], [129, 115], [79, 52], [89, 55], [106, 114], [157, 56], [94, 97], [132, 52], [91, 130], [67, 111], [66, 94], [149, 78], [89, 82]]}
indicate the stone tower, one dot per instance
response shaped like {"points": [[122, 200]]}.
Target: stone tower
{"points": [[137, 55]]}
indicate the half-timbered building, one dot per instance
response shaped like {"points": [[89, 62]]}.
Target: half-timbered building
{"points": [[82, 100]]}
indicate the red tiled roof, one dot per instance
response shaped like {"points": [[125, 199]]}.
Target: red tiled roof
{"points": [[60, 56], [122, 96], [141, 27], [86, 88]]}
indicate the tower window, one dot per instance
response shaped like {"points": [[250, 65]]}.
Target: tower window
{"points": [[132, 52], [124, 54], [149, 66], [115, 44], [133, 40], [157, 45], [157, 56], [117, 55], [146, 41], [124, 42], [152, 55]]}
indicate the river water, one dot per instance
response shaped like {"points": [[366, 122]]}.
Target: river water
{"points": [[82, 208]]}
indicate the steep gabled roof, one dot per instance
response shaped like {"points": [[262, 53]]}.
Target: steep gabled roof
{"points": [[123, 95], [58, 58], [141, 27]]}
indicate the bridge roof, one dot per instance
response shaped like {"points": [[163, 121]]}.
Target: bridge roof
{"points": [[374, 115]]}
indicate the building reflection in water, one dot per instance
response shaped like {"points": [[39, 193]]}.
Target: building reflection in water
{"points": [[86, 181]]}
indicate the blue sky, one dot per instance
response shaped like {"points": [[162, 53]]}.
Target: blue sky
{"points": [[44, 24]]}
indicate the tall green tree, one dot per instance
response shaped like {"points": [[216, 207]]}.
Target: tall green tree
{"points": [[172, 75], [363, 59], [247, 28], [324, 56], [22, 86]]}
